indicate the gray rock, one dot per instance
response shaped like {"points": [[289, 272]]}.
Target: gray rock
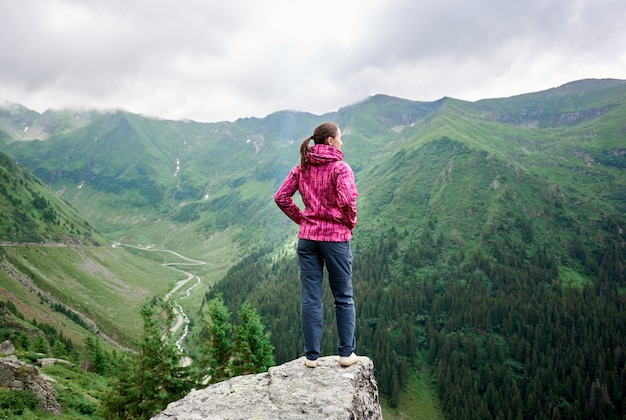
{"points": [[6, 348], [288, 391], [51, 361], [15, 374]]}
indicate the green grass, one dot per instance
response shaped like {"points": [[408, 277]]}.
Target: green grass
{"points": [[107, 285], [572, 278], [79, 392], [418, 401]]}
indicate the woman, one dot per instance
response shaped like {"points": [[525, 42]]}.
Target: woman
{"points": [[326, 185]]}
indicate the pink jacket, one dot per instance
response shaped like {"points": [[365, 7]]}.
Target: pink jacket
{"points": [[329, 195]]}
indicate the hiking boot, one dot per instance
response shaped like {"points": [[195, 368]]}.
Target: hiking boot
{"points": [[346, 361]]}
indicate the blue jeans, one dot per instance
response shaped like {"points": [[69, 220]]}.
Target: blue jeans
{"points": [[312, 255]]}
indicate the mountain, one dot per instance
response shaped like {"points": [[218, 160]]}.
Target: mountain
{"points": [[186, 171], [489, 253], [33, 213], [200, 172], [58, 268]]}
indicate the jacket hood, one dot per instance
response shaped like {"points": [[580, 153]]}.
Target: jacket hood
{"points": [[321, 154]]}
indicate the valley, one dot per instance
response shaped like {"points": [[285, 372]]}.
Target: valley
{"points": [[181, 317], [489, 253]]}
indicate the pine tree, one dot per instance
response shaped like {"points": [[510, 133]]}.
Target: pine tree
{"points": [[96, 359], [22, 341], [394, 390], [41, 345], [58, 349], [252, 345], [216, 353], [154, 376], [116, 403]]}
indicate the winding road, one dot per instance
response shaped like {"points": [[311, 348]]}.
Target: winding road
{"points": [[181, 317]]}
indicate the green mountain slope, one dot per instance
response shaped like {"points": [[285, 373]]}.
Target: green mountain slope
{"points": [[33, 213], [83, 291], [489, 254], [57, 267], [575, 167]]}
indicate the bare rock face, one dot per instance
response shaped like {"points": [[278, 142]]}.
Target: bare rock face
{"points": [[288, 391], [15, 374]]}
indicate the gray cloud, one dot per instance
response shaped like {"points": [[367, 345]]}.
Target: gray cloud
{"points": [[223, 60]]}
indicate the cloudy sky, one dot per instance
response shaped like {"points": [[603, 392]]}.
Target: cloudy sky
{"points": [[210, 60]]}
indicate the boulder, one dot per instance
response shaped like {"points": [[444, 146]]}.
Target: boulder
{"points": [[15, 374], [287, 391], [6, 348], [51, 361]]}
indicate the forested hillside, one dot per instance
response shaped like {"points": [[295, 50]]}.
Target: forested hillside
{"points": [[489, 255], [510, 321], [489, 258], [32, 213]]}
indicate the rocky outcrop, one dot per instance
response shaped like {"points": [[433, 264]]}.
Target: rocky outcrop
{"points": [[288, 391], [15, 374]]}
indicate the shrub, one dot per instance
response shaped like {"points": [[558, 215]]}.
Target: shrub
{"points": [[15, 402]]}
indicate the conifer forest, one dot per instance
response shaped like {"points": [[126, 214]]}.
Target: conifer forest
{"points": [[489, 266], [500, 336]]}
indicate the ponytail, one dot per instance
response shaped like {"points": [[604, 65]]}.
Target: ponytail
{"points": [[321, 133], [304, 150]]}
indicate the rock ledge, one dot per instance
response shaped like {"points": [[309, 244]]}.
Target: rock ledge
{"points": [[288, 391]]}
